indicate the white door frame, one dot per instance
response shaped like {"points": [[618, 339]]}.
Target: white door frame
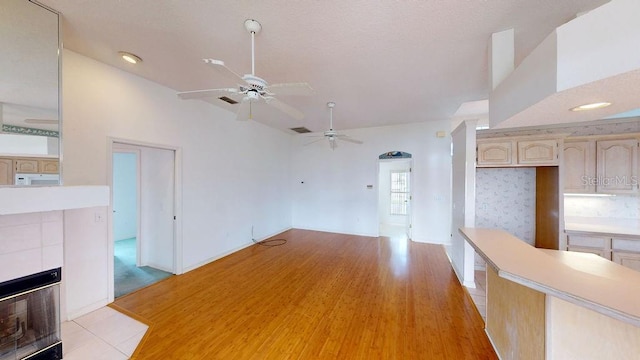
{"points": [[113, 144], [410, 209]]}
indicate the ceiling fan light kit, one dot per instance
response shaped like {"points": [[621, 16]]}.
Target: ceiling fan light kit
{"points": [[253, 89]]}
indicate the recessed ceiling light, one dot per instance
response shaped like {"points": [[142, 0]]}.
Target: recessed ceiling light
{"points": [[592, 106], [129, 57]]}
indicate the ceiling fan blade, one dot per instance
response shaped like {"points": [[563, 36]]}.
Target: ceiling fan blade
{"points": [[287, 109], [301, 89], [245, 112], [199, 94], [333, 144], [314, 141], [346, 138], [221, 67]]}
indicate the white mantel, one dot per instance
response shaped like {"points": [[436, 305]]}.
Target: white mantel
{"points": [[31, 199]]}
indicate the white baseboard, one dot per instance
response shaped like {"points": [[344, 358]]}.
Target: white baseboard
{"points": [[337, 232], [229, 252], [71, 315]]}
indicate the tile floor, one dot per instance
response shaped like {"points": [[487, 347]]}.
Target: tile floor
{"points": [[104, 334], [479, 294]]}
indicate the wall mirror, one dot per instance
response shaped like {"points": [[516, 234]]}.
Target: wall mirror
{"points": [[29, 94]]}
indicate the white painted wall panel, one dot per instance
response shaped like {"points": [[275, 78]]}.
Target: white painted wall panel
{"points": [[334, 196], [234, 174]]}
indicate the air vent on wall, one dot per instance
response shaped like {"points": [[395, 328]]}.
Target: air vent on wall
{"points": [[229, 100], [301, 130]]}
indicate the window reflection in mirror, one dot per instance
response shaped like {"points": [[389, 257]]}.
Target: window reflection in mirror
{"points": [[29, 90]]}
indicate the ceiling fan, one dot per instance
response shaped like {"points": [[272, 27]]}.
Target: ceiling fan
{"points": [[331, 134], [253, 89]]}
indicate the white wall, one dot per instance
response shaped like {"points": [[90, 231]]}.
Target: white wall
{"points": [[235, 175], [463, 200], [334, 196], [125, 196]]}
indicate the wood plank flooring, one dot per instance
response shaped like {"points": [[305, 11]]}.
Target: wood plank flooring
{"points": [[319, 296]]}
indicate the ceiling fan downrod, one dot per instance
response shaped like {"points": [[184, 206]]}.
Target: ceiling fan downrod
{"points": [[252, 27], [331, 105]]}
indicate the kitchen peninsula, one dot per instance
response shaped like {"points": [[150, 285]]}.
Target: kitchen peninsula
{"points": [[549, 304]]}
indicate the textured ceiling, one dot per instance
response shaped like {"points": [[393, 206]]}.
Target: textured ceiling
{"points": [[383, 62]]}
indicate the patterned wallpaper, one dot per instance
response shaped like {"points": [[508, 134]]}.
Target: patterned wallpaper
{"points": [[600, 127], [506, 199], [620, 206]]}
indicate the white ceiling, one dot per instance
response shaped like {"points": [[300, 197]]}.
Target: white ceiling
{"points": [[383, 62]]}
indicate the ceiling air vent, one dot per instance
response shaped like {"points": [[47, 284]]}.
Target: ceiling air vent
{"points": [[228, 100], [301, 130]]}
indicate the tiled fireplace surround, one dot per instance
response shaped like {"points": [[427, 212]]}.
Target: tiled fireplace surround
{"points": [[30, 243]]}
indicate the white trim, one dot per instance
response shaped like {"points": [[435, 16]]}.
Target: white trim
{"points": [[113, 142], [87, 309]]}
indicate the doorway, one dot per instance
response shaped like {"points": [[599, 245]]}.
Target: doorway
{"points": [[143, 216], [394, 197]]}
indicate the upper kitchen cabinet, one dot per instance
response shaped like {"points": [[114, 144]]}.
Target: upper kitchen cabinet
{"points": [[617, 166], [494, 153], [507, 152], [579, 166], [6, 171], [538, 152], [601, 165]]}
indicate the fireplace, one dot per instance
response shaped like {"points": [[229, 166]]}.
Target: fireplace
{"points": [[30, 317]]}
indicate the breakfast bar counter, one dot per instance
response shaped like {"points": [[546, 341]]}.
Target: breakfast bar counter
{"points": [[549, 304]]}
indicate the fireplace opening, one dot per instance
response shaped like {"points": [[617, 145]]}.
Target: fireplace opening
{"points": [[30, 317]]}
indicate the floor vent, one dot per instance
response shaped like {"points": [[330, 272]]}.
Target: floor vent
{"points": [[228, 100], [301, 130]]}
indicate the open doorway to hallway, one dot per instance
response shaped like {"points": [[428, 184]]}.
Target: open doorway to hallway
{"points": [[394, 198], [143, 229]]}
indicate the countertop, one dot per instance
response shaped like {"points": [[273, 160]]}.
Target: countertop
{"points": [[612, 226], [583, 279]]}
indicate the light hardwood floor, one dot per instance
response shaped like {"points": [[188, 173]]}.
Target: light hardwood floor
{"points": [[319, 296]]}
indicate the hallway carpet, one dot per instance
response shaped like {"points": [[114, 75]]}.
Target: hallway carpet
{"points": [[129, 277]]}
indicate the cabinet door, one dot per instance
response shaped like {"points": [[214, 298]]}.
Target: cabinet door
{"points": [[599, 245], [539, 152], [6, 172], [628, 259], [580, 167], [599, 252], [26, 166], [48, 166], [617, 166], [495, 153]]}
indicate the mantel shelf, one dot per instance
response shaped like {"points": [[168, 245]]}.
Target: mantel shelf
{"points": [[29, 199]]}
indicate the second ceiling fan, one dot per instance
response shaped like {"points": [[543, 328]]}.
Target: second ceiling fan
{"points": [[254, 89], [332, 135]]}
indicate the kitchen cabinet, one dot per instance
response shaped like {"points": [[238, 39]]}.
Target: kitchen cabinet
{"points": [[494, 153], [621, 249], [626, 252], [507, 152], [6, 171], [601, 165], [617, 166], [579, 166], [48, 166], [594, 244], [538, 152], [36, 166], [25, 166]]}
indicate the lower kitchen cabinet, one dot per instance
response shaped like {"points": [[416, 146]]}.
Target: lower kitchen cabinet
{"points": [[624, 250]]}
